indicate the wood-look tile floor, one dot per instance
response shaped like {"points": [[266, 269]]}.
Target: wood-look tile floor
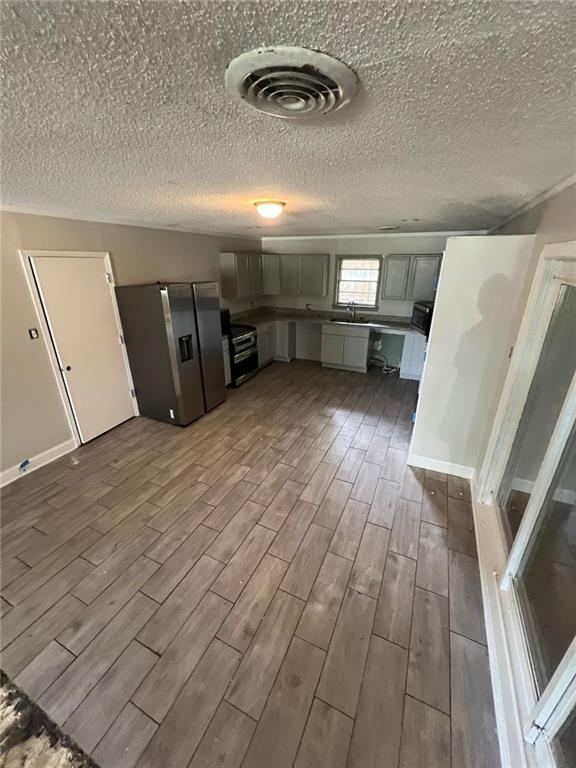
{"points": [[270, 587]]}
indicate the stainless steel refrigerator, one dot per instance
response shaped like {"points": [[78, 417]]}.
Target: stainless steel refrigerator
{"points": [[173, 339]]}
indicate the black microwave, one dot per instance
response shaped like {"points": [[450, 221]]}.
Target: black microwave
{"points": [[422, 316]]}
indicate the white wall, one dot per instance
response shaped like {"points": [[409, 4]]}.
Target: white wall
{"points": [[350, 246], [33, 416], [478, 308]]}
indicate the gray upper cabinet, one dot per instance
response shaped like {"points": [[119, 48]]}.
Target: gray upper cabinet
{"points": [[423, 277], [395, 280], [271, 274], [241, 275], [314, 274], [255, 270], [304, 274], [290, 274], [410, 277]]}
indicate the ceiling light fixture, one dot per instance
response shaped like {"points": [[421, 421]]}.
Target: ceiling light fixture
{"points": [[388, 228], [269, 209]]}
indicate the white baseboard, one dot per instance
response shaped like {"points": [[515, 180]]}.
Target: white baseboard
{"points": [[13, 473], [459, 470]]}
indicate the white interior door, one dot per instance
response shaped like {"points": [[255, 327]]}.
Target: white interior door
{"points": [[81, 315]]}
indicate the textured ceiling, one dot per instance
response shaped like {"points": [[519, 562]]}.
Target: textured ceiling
{"points": [[117, 111]]}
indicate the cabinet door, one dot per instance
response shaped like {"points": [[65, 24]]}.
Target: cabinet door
{"points": [[355, 352], [423, 277], [242, 264], [395, 280], [332, 350], [290, 274], [270, 274], [255, 267], [313, 274]]}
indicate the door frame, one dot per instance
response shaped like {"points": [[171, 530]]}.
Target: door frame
{"points": [[26, 257], [557, 264], [520, 710]]}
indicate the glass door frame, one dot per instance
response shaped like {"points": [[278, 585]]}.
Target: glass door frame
{"points": [[546, 712]]}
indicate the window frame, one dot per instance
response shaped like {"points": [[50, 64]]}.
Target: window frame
{"points": [[338, 269]]}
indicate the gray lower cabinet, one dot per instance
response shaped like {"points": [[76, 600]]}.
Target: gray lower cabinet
{"points": [[345, 346], [265, 338]]}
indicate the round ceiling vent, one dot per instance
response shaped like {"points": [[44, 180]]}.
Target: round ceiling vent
{"points": [[290, 82]]}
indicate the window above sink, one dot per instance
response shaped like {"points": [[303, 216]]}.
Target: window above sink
{"points": [[358, 281]]}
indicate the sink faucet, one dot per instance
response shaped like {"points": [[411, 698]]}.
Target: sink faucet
{"points": [[351, 310]]}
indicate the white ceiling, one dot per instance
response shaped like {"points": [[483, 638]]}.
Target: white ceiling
{"points": [[117, 111]]}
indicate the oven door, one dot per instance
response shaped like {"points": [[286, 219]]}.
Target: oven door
{"points": [[244, 342], [244, 365]]}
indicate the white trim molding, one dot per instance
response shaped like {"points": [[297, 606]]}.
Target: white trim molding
{"points": [[540, 198], [459, 470], [14, 473], [513, 686]]}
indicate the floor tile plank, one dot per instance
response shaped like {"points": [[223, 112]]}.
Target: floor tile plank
{"points": [[126, 740], [44, 669], [326, 738], [432, 568], [342, 674], [244, 619], [425, 736], [330, 510], [226, 740], [466, 609], [474, 736], [255, 676], [304, 568], [378, 726], [181, 731], [383, 506], [176, 609], [228, 541], [171, 573], [428, 664], [406, 529], [282, 722], [161, 687], [323, 606], [368, 568], [346, 539], [90, 721], [68, 691], [288, 539], [240, 568]]}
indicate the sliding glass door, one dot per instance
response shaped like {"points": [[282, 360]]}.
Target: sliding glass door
{"points": [[536, 497], [526, 491]]}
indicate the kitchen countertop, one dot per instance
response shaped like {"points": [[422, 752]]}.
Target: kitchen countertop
{"points": [[267, 315]]}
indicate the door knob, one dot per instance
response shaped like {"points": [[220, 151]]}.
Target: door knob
{"points": [[68, 367]]}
